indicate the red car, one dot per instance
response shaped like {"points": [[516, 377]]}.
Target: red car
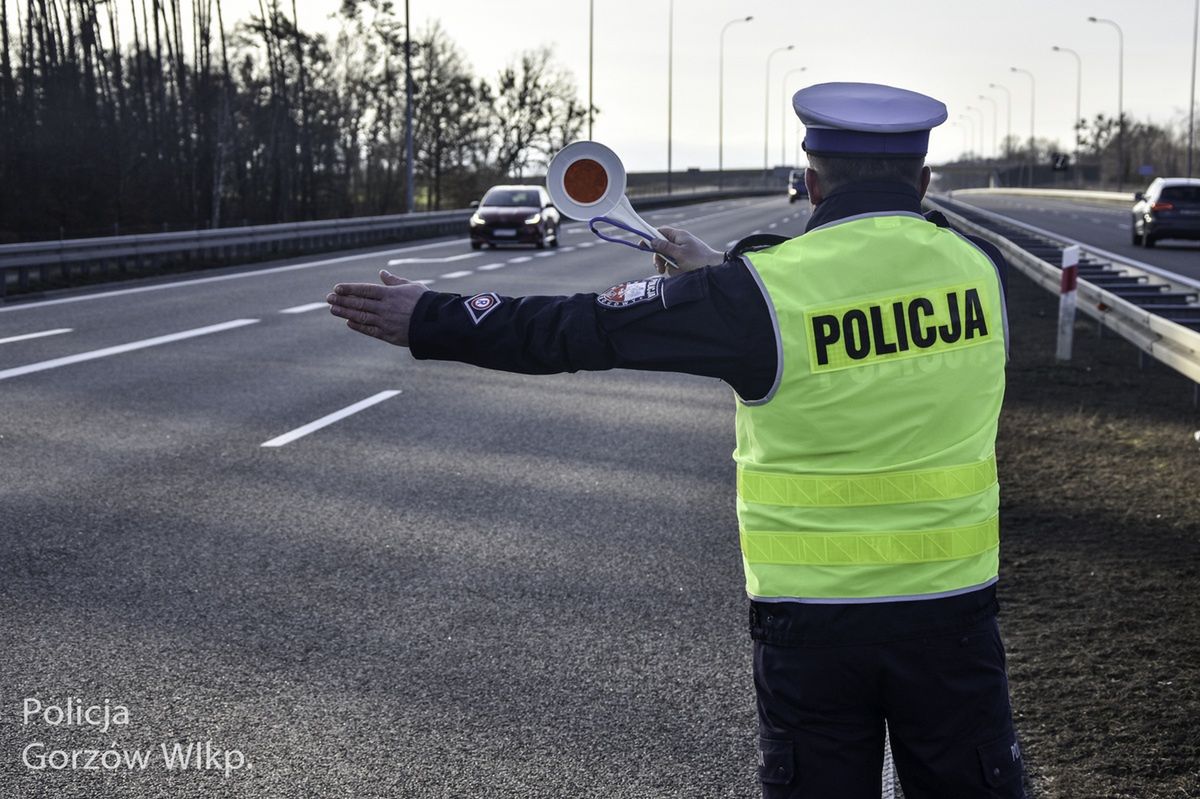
{"points": [[515, 215]]}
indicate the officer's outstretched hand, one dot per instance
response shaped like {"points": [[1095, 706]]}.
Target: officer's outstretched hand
{"points": [[687, 251], [380, 311]]}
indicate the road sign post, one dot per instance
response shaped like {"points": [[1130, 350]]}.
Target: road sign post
{"points": [[1066, 302]]}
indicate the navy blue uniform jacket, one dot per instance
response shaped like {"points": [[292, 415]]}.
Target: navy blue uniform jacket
{"points": [[711, 322]]}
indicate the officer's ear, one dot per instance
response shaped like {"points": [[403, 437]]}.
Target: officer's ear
{"points": [[926, 174], [812, 182]]}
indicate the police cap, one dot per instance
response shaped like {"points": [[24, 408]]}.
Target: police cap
{"points": [[866, 119]]}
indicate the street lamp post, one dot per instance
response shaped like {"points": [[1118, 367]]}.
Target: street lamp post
{"points": [[1120, 98], [1192, 97], [1032, 110], [982, 122], [767, 99], [971, 132], [591, 38], [783, 115], [1007, 115], [721, 102], [1078, 100], [409, 172], [670, 81], [955, 124], [995, 124]]}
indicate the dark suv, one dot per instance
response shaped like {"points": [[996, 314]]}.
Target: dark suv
{"points": [[796, 188], [515, 215], [1168, 209]]}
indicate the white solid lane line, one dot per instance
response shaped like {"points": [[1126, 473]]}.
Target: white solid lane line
{"points": [[42, 366], [325, 421], [453, 275], [446, 260], [42, 334], [308, 306]]}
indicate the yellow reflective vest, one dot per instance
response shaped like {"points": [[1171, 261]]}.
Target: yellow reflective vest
{"points": [[868, 472]]}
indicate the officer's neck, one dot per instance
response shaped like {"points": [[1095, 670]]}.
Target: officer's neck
{"points": [[865, 197]]}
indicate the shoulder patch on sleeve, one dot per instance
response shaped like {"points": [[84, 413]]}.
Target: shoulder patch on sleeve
{"points": [[481, 305], [635, 292]]}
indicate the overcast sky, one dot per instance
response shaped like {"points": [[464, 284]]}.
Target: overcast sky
{"points": [[950, 49]]}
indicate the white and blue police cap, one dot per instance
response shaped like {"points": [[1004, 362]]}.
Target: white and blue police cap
{"points": [[866, 119]]}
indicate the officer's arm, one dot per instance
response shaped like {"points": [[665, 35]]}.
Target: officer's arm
{"points": [[711, 322]]}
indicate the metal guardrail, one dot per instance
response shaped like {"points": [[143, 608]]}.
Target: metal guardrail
{"points": [[35, 266], [1154, 309], [1124, 198], [50, 264]]}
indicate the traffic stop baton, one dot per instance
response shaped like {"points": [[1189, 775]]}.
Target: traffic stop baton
{"points": [[1066, 301]]}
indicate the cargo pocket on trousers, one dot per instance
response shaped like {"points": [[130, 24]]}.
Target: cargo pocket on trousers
{"points": [[776, 761], [1001, 764]]}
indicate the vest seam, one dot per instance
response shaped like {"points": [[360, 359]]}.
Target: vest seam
{"points": [[762, 287], [1000, 285]]}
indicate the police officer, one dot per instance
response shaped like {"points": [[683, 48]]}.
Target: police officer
{"points": [[868, 358]]}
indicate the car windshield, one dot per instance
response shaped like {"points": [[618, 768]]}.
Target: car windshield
{"points": [[1181, 194], [512, 197]]}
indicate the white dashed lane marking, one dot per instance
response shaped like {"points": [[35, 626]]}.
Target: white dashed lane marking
{"points": [[455, 275], [42, 366], [520, 260], [43, 334], [490, 267], [325, 421], [545, 254], [446, 260]]}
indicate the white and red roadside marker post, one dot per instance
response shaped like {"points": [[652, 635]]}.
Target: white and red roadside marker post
{"points": [[1066, 301]]}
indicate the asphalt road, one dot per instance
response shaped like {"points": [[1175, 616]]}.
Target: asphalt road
{"points": [[1103, 226], [485, 585]]}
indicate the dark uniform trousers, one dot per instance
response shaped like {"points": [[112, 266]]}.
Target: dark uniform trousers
{"points": [[827, 676]]}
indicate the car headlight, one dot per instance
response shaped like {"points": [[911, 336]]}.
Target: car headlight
{"points": [[476, 219], [791, 189], [533, 220]]}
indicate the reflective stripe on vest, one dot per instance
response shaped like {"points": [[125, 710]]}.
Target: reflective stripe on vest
{"points": [[806, 490], [869, 474], [848, 549]]}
